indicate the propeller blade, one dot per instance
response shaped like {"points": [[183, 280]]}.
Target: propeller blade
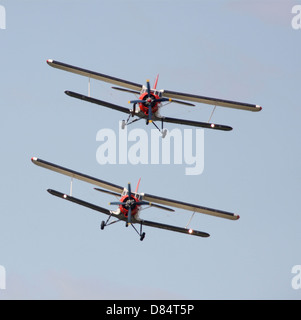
{"points": [[150, 113], [136, 101], [162, 100], [129, 190], [117, 203], [148, 88], [129, 215], [142, 203]]}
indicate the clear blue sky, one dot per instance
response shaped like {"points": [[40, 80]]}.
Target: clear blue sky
{"points": [[238, 50]]}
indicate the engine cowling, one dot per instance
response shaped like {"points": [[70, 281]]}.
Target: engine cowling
{"points": [[128, 202], [144, 107]]}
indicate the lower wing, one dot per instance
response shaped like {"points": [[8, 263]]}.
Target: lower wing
{"points": [[143, 222], [78, 201], [176, 229], [96, 101], [197, 124]]}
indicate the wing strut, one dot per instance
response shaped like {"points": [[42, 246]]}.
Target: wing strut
{"points": [[71, 185], [190, 220], [211, 114]]}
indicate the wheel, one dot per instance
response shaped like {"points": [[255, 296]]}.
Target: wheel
{"points": [[142, 236], [102, 226], [164, 133], [123, 124]]}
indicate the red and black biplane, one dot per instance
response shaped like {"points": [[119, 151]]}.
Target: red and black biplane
{"points": [[130, 203], [150, 100]]}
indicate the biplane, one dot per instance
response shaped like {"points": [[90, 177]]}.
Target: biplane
{"points": [[150, 100], [130, 203]]}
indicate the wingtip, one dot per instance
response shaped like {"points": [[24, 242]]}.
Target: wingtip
{"points": [[33, 159], [49, 61]]}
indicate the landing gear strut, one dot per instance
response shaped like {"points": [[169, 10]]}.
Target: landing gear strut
{"points": [[141, 234], [163, 131], [106, 223]]}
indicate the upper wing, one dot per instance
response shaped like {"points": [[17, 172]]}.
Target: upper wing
{"points": [[213, 101], [197, 124], [190, 207], [77, 175], [173, 228], [96, 101], [94, 75]]}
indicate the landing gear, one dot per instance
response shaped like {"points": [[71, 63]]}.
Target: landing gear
{"points": [[163, 131], [141, 234], [106, 223], [102, 225], [127, 121]]}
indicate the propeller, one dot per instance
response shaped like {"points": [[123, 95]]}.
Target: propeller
{"points": [[130, 203], [149, 102]]}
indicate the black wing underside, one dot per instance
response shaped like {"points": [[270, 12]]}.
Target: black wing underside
{"points": [[206, 125], [79, 201], [143, 222], [97, 101], [174, 228]]}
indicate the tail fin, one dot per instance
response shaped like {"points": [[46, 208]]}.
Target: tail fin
{"points": [[136, 191], [156, 82]]}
